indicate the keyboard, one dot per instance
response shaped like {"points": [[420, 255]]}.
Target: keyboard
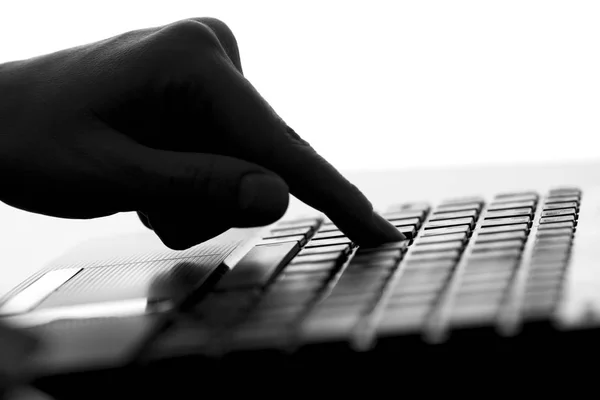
{"points": [[467, 264]]}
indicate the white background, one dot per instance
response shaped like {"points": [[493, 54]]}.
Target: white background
{"points": [[370, 84]]}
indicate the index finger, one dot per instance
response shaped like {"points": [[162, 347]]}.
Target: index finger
{"points": [[261, 136]]}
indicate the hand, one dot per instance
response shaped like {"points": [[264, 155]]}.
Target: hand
{"points": [[162, 121]]}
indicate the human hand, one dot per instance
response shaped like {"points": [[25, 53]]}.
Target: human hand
{"points": [[162, 121]]}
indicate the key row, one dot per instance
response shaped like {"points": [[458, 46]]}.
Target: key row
{"points": [[550, 254]]}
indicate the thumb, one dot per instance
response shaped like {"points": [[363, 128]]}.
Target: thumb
{"points": [[211, 187]]}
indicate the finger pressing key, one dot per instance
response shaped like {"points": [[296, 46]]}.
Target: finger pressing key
{"points": [[262, 137]]}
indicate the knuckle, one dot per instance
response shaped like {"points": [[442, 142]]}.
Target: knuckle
{"points": [[221, 30], [186, 38]]}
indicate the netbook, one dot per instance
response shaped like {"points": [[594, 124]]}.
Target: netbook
{"points": [[495, 280]]}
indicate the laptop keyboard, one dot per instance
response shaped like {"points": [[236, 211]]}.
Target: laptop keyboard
{"points": [[466, 264]]}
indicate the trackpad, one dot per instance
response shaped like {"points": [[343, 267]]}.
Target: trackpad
{"points": [[123, 274]]}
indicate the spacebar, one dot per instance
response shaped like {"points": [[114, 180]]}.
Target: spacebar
{"points": [[258, 266]]}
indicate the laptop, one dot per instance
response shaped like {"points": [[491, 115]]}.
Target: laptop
{"points": [[499, 270]]}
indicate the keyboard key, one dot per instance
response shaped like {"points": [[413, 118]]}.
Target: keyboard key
{"points": [[275, 233], [393, 322], [491, 286], [551, 250], [561, 199], [505, 253], [405, 215], [505, 221], [565, 191], [553, 240], [411, 300], [542, 257], [317, 329], [547, 265], [510, 205], [489, 266], [564, 195], [449, 222], [552, 231], [451, 215], [339, 248], [313, 276], [568, 224], [354, 282], [420, 265], [562, 218], [503, 228], [444, 231], [556, 213], [370, 266], [505, 244], [478, 298], [384, 254], [402, 245], [405, 221], [493, 237], [328, 235], [510, 196], [328, 242], [292, 239], [514, 212], [546, 274], [409, 231], [503, 274], [555, 206], [313, 258], [358, 287], [474, 314], [449, 254], [441, 238], [499, 200], [458, 207], [424, 279], [348, 301], [462, 200], [409, 289], [427, 247], [297, 223], [310, 268], [424, 275], [258, 266]]}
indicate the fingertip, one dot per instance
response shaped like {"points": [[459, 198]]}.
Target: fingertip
{"points": [[388, 232]]}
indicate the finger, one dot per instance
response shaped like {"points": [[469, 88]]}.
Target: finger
{"points": [[264, 138], [218, 192]]}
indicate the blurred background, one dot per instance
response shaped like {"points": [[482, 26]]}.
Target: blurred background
{"points": [[372, 85]]}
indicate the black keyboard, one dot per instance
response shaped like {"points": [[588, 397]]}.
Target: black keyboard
{"points": [[466, 264]]}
